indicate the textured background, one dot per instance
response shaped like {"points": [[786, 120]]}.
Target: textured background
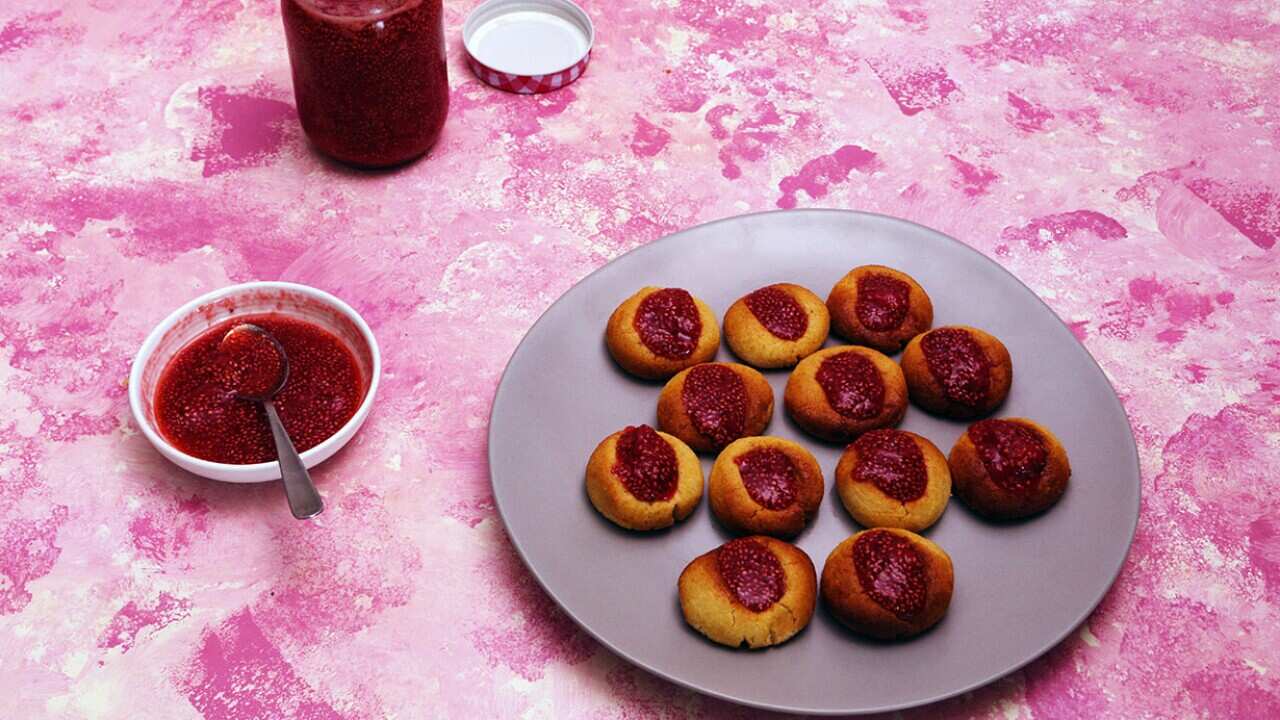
{"points": [[1119, 158]]}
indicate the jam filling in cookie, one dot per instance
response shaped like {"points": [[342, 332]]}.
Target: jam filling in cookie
{"points": [[668, 323], [882, 302], [852, 384], [752, 573], [958, 363], [1013, 454], [891, 461], [715, 399], [769, 477], [778, 312], [647, 464], [891, 571]]}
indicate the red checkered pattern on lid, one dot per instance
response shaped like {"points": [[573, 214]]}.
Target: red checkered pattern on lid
{"points": [[528, 84]]}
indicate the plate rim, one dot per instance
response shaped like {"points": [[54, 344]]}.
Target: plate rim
{"points": [[1114, 573]]}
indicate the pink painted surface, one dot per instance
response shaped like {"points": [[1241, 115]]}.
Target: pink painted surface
{"points": [[1119, 158]]}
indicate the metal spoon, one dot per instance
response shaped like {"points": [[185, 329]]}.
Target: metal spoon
{"points": [[304, 500]]}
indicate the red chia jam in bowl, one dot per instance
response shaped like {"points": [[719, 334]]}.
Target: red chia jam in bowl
{"points": [[198, 409], [369, 76]]}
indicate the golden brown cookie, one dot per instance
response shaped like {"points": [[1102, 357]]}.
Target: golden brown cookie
{"points": [[658, 332], [644, 480], [879, 307], [891, 478], [776, 326], [887, 583], [754, 591], [710, 405], [1009, 468], [766, 486], [957, 371], [841, 392]]}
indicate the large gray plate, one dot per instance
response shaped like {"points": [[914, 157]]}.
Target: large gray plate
{"points": [[1020, 588]]}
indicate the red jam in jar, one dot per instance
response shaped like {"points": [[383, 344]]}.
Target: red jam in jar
{"points": [[668, 323], [891, 570], [752, 572], [1013, 454], [369, 76], [959, 364], [852, 384], [198, 411], [778, 312], [647, 464], [891, 460], [882, 302]]}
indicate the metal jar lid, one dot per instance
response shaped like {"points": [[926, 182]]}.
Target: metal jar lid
{"points": [[528, 46]]}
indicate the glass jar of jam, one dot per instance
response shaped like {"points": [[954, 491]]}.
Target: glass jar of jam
{"points": [[369, 76]]}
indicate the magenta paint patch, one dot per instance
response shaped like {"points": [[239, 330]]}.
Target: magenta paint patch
{"points": [[523, 629], [238, 674], [1264, 552], [972, 179], [314, 596], [473, 512], [1078, 225], [819, 174], [913, 87], [746, 136], [248, 129], [1195, 373], [1253, 210], [18, 34], [649, 139], [166, 532], [912, 12], [1186, 306], [1231, 689], [137, 618], [29, 552], [1055, 688], [1026, 115], [1144, 290]]}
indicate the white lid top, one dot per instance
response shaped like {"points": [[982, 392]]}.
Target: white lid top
{"points": [[528, 37]]}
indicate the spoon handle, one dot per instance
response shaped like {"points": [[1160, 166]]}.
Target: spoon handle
{"points": [[304, 500]]}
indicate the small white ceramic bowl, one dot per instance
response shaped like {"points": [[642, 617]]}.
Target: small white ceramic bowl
{"points": [[188, 321]]}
